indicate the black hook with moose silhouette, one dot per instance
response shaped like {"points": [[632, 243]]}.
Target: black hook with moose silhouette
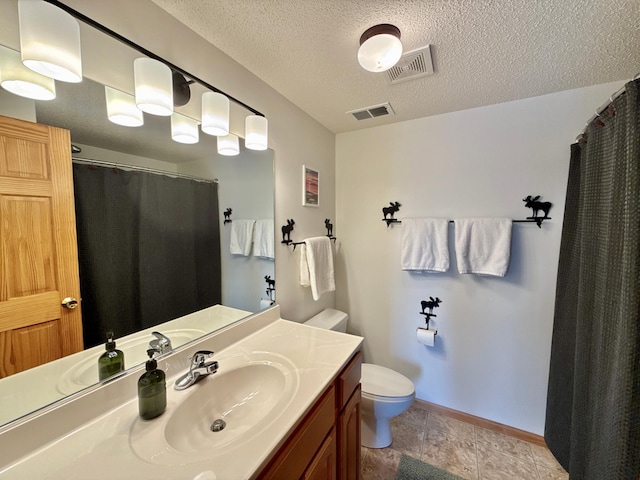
{"points": [[271, 286], [388, 213], [536, 206], [227, 215], [427, 308], [286, 231]]}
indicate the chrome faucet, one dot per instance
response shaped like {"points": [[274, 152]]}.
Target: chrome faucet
{"points": [[161, 344], [198, 369]]}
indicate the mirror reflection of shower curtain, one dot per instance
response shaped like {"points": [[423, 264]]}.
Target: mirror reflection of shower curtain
{"points": [[148, 246]]}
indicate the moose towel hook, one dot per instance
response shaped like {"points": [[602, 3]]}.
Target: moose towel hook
{"points": [[427, 308], [286, 231], [536, 206], [389, 211]]}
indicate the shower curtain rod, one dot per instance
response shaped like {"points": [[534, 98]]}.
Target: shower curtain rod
{"points": [[604, 106], [122, 166]]}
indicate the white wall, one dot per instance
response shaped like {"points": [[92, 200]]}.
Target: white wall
{"points": [[492, 350], [296, 138]]}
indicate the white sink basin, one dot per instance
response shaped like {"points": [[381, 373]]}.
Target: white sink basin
{"points": [[84, 371], [248, 393]]}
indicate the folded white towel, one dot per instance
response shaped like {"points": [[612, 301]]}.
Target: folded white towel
{"points": [[483, 245], [263, 238], [316, 266], [241, 237], [425, 244]]}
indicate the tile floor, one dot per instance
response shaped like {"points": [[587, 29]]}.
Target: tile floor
{"points": [[472, 452]]}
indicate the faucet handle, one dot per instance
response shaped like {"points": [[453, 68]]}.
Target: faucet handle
{"points": [[200, 356]]}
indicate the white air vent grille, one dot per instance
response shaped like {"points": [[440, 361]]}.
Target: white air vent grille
{"points": [[414, 64], [373, 111]]}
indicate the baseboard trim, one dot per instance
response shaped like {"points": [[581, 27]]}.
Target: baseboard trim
{"points": [[483, 422]]}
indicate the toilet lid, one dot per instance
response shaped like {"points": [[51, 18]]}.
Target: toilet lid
{"points": [[384, 382]]}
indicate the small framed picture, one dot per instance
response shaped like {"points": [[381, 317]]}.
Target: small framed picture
{"points": [[310, 187]]}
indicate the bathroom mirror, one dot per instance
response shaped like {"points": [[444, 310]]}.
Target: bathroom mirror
{"points": [[245, 182]]}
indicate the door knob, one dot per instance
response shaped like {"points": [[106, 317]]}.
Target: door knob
{"points": [[70, 303]]}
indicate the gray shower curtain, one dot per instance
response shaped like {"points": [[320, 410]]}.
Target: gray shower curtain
{"points": [[148, 247], [593, 404]]}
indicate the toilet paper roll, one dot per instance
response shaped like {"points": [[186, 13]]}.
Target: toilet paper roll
{"points": [[264, 303], [426, 336]]}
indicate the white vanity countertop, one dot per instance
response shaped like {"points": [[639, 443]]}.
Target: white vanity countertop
{"points": [[108, 447]]}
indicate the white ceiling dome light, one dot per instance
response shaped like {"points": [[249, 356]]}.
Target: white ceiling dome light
{"points": [[121, 108], [153, 86], [19, 80], [256, 132], [380, 48]]}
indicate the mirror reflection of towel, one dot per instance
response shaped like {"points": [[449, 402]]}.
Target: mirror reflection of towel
{"points": [[241, 237], [316, 266], [263, 239]]}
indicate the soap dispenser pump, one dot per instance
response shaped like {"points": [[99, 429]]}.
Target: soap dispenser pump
{"points": [[152, 390], [111, 361]]}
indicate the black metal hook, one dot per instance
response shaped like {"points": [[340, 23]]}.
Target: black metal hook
{"points": [[429, 305], [388, 213], [271, 286], [536, 206], [286, 231], [227, 215]]}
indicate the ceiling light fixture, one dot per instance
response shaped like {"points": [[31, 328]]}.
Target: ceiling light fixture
{"points": [[122, 109], [49, 41], [256, 132], [215, 114], [184, 129], [153, 86], [380, 48], [18, 79], [228, 145]]}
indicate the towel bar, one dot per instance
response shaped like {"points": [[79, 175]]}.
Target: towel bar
{"points": [[287, 240]]}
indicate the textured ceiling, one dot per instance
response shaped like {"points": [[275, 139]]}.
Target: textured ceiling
{"points": [[484, 51]]}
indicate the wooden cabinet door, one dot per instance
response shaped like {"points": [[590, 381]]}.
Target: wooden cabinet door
{"points": [[38, 248], [323, 465], [349, 438]]}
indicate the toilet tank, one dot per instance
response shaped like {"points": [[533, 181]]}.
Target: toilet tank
{"points": [[330, 319]]}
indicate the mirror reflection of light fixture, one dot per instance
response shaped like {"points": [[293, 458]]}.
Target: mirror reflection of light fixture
{"points": [[122, 109], [50, 41], [228, 145], [19, 80], [153, 86], [256, 132], [215, 114], [380, 48], [184, 129]]}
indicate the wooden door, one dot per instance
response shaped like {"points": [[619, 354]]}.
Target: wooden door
{"points": [[349, 466], [38, 249]]}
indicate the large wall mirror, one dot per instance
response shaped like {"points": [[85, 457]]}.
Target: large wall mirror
{"points": [[245, 192]]}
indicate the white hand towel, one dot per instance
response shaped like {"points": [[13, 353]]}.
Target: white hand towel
{"points": [[483, 245], [425, 244], [241, 237], [316, 266], [263, 238]]}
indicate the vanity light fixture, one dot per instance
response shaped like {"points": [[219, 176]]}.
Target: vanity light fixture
{"points": [[228, 145], [184, 129], [215, 114], [256, 132], [153, 86], [50, 41], [19, 80], [122, 109], [380, 48]]}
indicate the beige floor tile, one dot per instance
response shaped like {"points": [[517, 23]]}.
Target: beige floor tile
{"points": [[380, 464], [543, 457], [551, 474], [450, 452], [416, 415], [495, 465], [450, 426], [503, 443], [406, 437]]}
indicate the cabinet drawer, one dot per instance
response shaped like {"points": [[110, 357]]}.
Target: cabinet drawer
{"points": [[348, 380]]}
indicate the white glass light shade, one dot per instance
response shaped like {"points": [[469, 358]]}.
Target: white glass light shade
{"points": [[50, 41], [122, 109], [153, 86], [256, 132], [18, 79], [215, 114], [228, 145], [380, 48], [184, 129]]}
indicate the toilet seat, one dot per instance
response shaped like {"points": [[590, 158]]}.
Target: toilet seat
{"points": [[379, 381]]}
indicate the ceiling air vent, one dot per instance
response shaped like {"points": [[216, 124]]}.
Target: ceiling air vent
{"points": [[371, 112], [414, 64]]}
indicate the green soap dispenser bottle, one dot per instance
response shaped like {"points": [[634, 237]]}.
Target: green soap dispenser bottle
{"points": [[111, 361], [152, 390]]}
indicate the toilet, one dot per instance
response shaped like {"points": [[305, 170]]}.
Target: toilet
{"points": [[385, 393]]}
